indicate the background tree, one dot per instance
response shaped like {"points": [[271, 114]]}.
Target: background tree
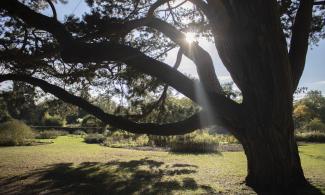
{"points": [[309, 112], [19, 103], [118, 46]]}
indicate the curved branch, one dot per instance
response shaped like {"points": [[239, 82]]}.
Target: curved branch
{"points": [[299, 40], [163, 94], [178, 128], [198, 55], [53, 9], [155, 6]]}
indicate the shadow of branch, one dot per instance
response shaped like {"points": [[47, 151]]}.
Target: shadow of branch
{"points": [[115, 177]]}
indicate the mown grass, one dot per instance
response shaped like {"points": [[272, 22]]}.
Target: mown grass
{"points": [[70, 165]]}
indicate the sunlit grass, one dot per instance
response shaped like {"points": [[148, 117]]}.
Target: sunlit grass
{"points": [[71, 164]]}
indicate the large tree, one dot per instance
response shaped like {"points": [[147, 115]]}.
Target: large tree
{"points": [[117, 48]]}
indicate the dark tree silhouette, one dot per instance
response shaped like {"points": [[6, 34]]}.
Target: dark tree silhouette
{"points": [[263, 44]]}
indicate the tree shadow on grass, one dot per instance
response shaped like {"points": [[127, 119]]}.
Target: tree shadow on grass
{"points": [[143, 176]]}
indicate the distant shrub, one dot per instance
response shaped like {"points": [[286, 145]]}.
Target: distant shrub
{"points": [[56, 121], [79, 132], [50, 134], [226, 139], [160, 141], [195, 143], [91, 121], [121, 139], [313, 136], [15, 132], [94, 138], [314, 125]]}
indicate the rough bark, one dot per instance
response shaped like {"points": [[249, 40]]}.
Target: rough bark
{"points": [[249, 41], [273, 159]]}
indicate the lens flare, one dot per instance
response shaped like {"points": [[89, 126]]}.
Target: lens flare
{"points": [[190, 37]]}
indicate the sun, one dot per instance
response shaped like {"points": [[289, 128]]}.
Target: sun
{"points": [[190, 37]]}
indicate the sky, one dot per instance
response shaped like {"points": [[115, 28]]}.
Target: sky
{"points": [[313, 76]]}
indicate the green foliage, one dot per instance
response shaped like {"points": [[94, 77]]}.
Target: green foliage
{"points": [[312, 136], [15, 132], [315, 124], [94, 138], [20, 103], [91, 121], [4, 114], [50, 134], [309, 112], [55, 120], [120, 139], [195, 143], [57, 107]]}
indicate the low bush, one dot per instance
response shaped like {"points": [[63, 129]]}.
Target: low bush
{"points": [[166, 141], [121, 139], [79, 132], [160, 141], [226, 139], [195, 143], [15, 132], [56, 121], [312, 136], [94, 138], [50, 134]]}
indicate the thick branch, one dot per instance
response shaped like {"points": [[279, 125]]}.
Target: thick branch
{"points": [[163, 94], [36, 20], [197, 54], [76, 51], [177, 128], [299, 40]]}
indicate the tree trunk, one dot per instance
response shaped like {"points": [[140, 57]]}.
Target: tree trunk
{"points": [[251, 44], [273, 162]]}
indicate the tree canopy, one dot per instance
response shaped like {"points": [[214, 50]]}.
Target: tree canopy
{"points": [[117, 48]]}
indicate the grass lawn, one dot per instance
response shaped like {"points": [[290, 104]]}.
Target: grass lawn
{"points": [[70, 166]]}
